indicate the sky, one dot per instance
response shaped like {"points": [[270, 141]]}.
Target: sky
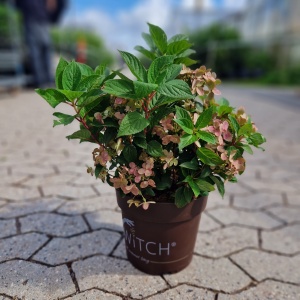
{"points": [[121, 22]]}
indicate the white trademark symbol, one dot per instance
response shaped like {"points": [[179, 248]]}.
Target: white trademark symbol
{"points": [[173, 244]]}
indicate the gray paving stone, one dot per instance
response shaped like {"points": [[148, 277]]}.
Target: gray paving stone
{"points": [[237, 189], [18, 193], [105, 219], [7, 227], [215, 200], [104, 188], [271, 290], [229, 216], [262, 265], [53, 224], [94, 295], [225, 241], [257, 200], [2, 203], [21, 246], [61, 250], [85, 179], [68, 191], [81, 206], [116, 275], [32, 281], [12, 179], [220, 274], [293, 199], [120, 251], [288, 214], [185, 292], [32, 170], [56, 179], [21, 208], [285, 240], [4, 298], [207, 223], [72, 168]]}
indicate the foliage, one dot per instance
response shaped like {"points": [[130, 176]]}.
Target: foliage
{"points": [[162, 133]]}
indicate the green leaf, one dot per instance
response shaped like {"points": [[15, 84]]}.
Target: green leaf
{"points": [[71, 76], [245, 130], [52, 96], [143, 89], [182, 113], [187, 52], [172, 72], [176, 89], [130, 153], [132, 123], [154, 149], [146, 52], [247, 148], [63, 119], [157, 70], [223, 102], [159, 114], [119, 87], [159, 37], [183, 196], [234, 123], [185, 61], [219, 183], [207, 137], [205, 118], [186, 140], [178, 37], [90, 97], [148, 39], [178, 47], [163, 182], [59, 71], [82, 134], [186, 124], [90, 82], [223, 110], [193, 185], [192, 165], [71, 95], [135, 66], [109, 134], [209, 157], [98, 170], [102, 70], [85, 69], [141, 142], [204, 185], [257, 139]]}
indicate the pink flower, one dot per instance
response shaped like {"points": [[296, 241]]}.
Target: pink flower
{"points": [[167, 122], [119, 116], [98, 117], [170, 138], [132, 188], [119, 182], [159, 131], [119, 101]]}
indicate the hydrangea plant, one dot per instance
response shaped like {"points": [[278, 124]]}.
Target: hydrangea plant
{"points": [[161, 136]]}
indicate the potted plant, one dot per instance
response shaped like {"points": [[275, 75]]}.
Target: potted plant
{"points": [[162, 140]]}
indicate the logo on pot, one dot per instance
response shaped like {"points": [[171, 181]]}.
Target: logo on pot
{"points": [[151, 247]]}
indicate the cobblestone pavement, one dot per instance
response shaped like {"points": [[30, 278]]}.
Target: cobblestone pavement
{"points": [[61, 234]]}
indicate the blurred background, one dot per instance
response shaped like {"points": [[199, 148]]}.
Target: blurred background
{"points": [[245, 41]]}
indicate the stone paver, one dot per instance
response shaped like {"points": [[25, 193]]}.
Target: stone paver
{"points": [[263, 265], [94, 295], [285, 240], [53, 224], [62, 250], [21, 246], [219, 274], [116, 275], [185, 292], [267, 290], [257, 219], [17, 209], [32, 281], [7, 227], [61, 229], [225, 241]]}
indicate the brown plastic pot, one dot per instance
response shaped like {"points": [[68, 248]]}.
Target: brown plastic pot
{"points": [[162, 238]]}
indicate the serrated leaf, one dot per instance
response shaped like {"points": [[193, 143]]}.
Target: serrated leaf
{"points": [[183, 196], [247, 148], [52, 96], [120, 88], [186, 140], [143, 89], [135, 66], [141, 142], [186, 124], [157, 70], [132, 123], [71, 76], [130, 153], [207, 137], [102, 70], [82, 134], [178, 37], [187, 52], [219, 183], [178, 47], [146, 52], [193, 185], [89, 97], [182, 113], [257, 139], [154, 149], [205, 118], [204, 185], [234, 123], [90, 82], [223, 102], [185, 61], [172, 72], [209, 157], [176, 89], [192, 165], [223, 110], [245, 130], [64, 119], [71, 95], [85, 69], [59, 71], [159, 37], [148, 39]]}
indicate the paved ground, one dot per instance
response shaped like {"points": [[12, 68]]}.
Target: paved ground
{"points": [[61, 234]]}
